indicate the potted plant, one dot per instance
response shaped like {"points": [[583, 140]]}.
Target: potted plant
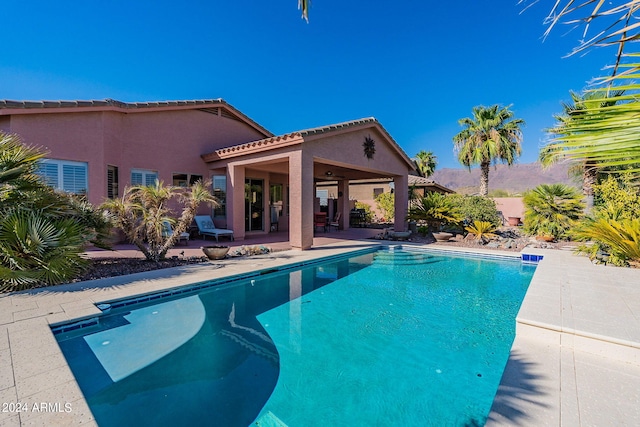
{"points": [[514, 221], [215, 252]]}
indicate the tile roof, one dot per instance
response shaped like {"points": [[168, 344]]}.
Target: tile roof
{"points": [[288, 137], [120, 105], [6, 103]]}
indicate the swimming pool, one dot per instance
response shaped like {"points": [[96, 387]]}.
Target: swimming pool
{"points": [[381, 338]]}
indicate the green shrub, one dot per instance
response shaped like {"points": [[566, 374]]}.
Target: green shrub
{"points": [[368, 214], [552, 210], [386, 204], [477, 208], [618, 197], [423, 229]]}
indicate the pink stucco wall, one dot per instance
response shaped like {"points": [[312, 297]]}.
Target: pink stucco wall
{"points": [[169, 142], [510, 206]]}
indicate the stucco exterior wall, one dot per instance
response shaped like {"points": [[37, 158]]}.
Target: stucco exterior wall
{"points": [[168, 142], [510, 206], [346, 148], [5, 124]]}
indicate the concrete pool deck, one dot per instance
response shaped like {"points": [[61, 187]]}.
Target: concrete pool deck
{"points": [[575, 359]]}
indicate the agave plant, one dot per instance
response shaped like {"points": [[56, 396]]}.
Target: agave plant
{"points": [[142, 214], [482, 230], [551, 210]]}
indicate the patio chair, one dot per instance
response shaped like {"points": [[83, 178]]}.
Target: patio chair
{"points": [[167, 231], [206, 227], [336, 221]]}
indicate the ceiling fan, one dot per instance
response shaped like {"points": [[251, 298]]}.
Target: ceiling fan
{"points": [[330, 175]]}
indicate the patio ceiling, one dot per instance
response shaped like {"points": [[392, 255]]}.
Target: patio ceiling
{"points": [[321, 171]]}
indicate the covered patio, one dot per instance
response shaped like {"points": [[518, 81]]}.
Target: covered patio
{"points": [[270, 184]]}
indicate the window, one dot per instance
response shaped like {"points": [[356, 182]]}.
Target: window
{"points": [[377, 192], [112, 182], [185, 180], [323, 195], [220, 192], [143, 177], [180, 180], [64, 175]]}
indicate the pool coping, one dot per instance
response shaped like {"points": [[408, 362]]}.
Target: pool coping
{"points": [[34, 372]]}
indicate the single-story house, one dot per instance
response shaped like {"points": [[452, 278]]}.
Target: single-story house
{"points": [[97, 148]]}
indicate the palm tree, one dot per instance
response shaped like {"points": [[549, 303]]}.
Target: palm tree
{"points": [[304, 6], [618, 24], [491, 135], [18, 166], [426, 163], [36, 249], [551, 209], [142, 214], [605, 133], [42, 232], [587, 168]]}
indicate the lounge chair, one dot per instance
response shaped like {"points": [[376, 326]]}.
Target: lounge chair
{"points": [[206, 227], [167, 231], [336, 221]]}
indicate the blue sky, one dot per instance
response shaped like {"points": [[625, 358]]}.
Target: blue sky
{"points": [[417, 67]]}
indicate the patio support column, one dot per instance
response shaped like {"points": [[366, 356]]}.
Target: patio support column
{"points": [[301, 197], [343, 203], [401, 202], [235, 200]]}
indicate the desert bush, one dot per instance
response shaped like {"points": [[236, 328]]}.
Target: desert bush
{"points": [[386, 204], [618, 197], [423, 229], [368, 214], [477, 208]]}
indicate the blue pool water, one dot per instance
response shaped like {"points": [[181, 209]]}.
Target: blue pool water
{"points": [[384, 338]]}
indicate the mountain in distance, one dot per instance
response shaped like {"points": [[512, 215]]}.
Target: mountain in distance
{"points": [[514, 179]]}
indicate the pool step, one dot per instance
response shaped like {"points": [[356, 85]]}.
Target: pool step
{"points": [[268, 419], [401, 258]]}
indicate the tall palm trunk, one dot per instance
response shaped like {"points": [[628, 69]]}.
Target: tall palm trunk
{"points": [[589, 179], [484, 179]]}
